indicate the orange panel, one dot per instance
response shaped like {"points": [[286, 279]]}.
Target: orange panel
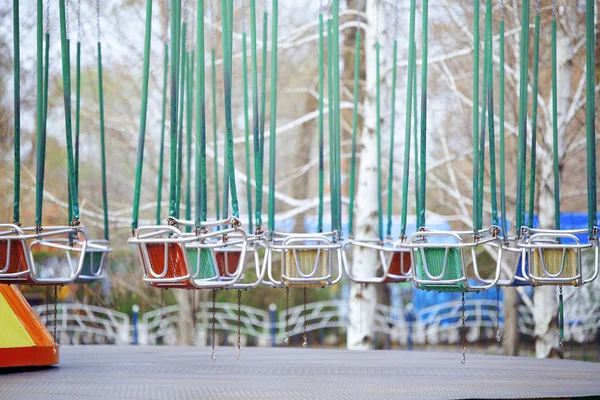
{"points": [[17, 262], [176, 264], [28, 356]]}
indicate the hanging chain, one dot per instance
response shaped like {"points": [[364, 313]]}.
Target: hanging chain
{"points": [[502, 10], [243, 16], [377, 24], [359, 13], [554, 9], [362, 300], [498, 335], [304, 325], [47, 16], [212, 348], [396, 19], [98, 19], [54, 325], [537, 6], [265, 5], [287, 314], [67, 18], [47, 306], [239, 326], [463, 332], [78, 21], [560, 316], [194, 315]]}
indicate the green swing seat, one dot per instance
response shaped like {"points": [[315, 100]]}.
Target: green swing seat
{"points": [[434, 262]]}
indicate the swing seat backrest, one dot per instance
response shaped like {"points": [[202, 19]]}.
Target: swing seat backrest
{"points": [[556, 263], [442, 263], [307, 263], [400, 267], [174, 256], [94, 261], [228, 262]]}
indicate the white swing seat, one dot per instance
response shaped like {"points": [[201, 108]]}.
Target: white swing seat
{"points": [[19, 247], [443, 267], [394, 261], [306, 260], [555, 256], [175, 259]]}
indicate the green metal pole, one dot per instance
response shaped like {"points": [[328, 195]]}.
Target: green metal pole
{"points": [[273, 124], [140, 152], [161, 156], [591, 116], [247, 131], [201, 186], [102, 143], [423, 146], [17, 110]]}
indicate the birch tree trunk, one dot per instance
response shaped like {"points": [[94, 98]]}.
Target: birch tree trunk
{"points": [[185, 323], [363, 299]]}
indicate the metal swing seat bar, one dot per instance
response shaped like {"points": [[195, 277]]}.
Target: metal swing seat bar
{"points": [[307, 259], [443, 267], [172, 258], [554, 262], [394, 260], [18, 247]]}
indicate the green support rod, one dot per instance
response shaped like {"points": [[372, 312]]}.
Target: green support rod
{"points": [[423, 147], [502, 134], [188, 125], [200, 158], [181, 109], [247, 131], [143, 113], [591, 116], [416, 138], [225, 191], [227, 72], [161, 155], [102, 142], [17, 112], [46, 80], [409, 99], [475, 116], [378, 134], [322, 130], [522, 136], [336, 104], [490, 99], [410, 79], [174, 108], [258, 162], [534, 113], [273, 124], [392, 133], [215, 145], [77, 108], [67, 105], [354, 131], [263, 107], [40, 134], [555, 128], [330, 117]]}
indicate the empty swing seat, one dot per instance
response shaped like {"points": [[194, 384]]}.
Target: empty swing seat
{"points": [[94, 261], [556, 257], [172, 258], [442, 267], [393, 261], [306, 260], [67, 246]]}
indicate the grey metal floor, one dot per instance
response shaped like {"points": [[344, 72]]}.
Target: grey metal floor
{"points": [[128, 372]]}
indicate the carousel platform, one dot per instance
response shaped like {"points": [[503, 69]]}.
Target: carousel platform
{"points": [[134, 372]]}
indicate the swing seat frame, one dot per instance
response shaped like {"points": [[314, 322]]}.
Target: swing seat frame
{"points": [[306, 259], [395, 260], [201, 259], [443, 267], [95, 261], [19, 245], [552, 262]]}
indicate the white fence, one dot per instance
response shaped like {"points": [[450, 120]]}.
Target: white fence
{"points": [[81, 323]]}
